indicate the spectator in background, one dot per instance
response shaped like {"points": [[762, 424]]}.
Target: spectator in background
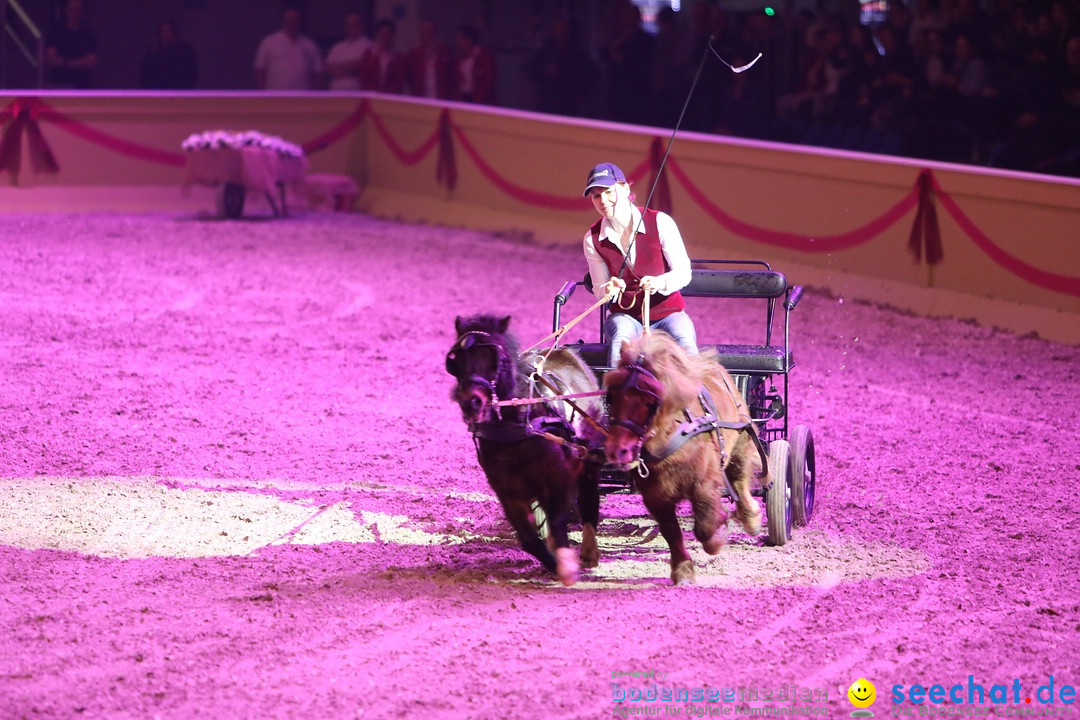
{"points": [[967, 75], [475, 65], [169, 63], [71, 50], [670, 70], [709, 28], [892, 84], [560, 69], [287, 59], [343, 60], [430, 65], [382, 68], [628, 57]]}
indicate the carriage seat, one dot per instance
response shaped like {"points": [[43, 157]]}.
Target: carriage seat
{"points": [[749, 282], [744, 283], [738, 359]]}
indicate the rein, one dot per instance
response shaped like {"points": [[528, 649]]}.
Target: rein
{"points": [[588, 418], [557, 335], [506, 431], [514, 402]]}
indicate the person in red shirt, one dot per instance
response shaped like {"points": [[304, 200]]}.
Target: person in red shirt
{"points": [[430, 65], [382, 68], [634, 251], [475, 69]]}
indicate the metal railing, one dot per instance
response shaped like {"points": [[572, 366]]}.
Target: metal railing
{"points": [[24, 34]]}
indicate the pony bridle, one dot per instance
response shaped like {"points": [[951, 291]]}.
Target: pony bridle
{"points": [[634, 371], [478, 338]]}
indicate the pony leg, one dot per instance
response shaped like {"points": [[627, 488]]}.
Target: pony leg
{"points": [[566, 558], [519, 516], [747, 510], [589, 508], [710, 521], [710, 518], [682, 567]]}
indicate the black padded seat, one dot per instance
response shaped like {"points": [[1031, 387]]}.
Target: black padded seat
{"points": [[748, 359], [736, 284], [754, 359]]}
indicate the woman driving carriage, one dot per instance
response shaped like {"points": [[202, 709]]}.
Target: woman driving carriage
{"points": [[633, 252]]}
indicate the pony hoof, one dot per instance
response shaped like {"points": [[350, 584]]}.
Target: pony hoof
{"points": [[590, 553], [751, 522], [683, 574], [566, 566]]}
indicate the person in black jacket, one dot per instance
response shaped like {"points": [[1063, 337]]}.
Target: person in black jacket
{"points": [[169, 63]]}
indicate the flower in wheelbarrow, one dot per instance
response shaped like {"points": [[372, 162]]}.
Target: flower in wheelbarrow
{"points": [[862, 694]]}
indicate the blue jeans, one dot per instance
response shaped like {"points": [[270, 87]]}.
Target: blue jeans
{"points": [[620, 327]]}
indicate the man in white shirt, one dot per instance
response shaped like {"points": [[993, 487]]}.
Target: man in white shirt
{"points": [[343, 60], [287, 59]]}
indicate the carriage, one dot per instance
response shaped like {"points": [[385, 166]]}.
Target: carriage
{"points": [[670, 427], [761, 375]]}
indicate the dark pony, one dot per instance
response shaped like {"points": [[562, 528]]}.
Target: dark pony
{"points": [[684, 419], [531, 453]]}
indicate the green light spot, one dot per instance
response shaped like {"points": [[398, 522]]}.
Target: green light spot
{"points": [[769, 11]]}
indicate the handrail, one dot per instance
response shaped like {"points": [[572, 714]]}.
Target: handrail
{"points": [[35, 57]]}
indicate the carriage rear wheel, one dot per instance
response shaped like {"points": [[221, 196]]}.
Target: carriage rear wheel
{"points": [[803, 475], [778, 496]]}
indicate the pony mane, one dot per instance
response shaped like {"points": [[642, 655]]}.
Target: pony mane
{"points": [[681, 375]]}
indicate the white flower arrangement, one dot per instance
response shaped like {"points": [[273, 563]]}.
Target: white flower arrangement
{"points": [[221, 139]]}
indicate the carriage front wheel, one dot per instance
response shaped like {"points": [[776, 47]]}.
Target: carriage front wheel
{"points": [[803, 475], [778, 496]]}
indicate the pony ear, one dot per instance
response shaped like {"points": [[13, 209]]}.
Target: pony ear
{"points": [[459, 324], [504, 323]]}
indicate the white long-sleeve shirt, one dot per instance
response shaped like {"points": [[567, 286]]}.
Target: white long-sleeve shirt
{"points": [[671, 243]]}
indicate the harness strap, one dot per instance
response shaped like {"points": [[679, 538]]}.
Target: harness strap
{"points": [[588, 418], [709, 423], [556, 430], [750, 427]]}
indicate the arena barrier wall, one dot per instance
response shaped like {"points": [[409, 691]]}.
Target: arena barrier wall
{"points": [[949, 240]]}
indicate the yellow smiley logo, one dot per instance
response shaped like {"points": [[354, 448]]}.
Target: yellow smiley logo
{"points": [[862, 693]]}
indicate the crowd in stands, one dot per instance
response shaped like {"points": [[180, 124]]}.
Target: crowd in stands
{"points": [[990, 82], [289, 60]]}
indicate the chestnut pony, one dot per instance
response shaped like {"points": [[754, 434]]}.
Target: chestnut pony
{"points": [[684, 419], [535, 452]]}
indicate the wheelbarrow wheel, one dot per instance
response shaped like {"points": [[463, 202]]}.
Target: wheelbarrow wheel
{"points": [[231, 200]]}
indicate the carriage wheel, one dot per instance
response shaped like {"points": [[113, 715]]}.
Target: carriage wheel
{"points": [[778, 496], [541, 520], [803, 475]]}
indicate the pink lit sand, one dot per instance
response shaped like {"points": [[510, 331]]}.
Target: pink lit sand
{"points": [[234, 487]]}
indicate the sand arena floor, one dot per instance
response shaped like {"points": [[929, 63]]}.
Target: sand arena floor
{"points": [[233, 486]]}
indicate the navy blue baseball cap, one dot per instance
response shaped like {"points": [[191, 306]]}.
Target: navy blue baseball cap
{"points": [[603, 175]]}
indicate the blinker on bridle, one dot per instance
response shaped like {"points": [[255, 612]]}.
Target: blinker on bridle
{"points": [[471, 339], [634, 372]]}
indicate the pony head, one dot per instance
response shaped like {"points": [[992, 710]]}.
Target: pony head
{"points": [[483, 359], [654, 379]]}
